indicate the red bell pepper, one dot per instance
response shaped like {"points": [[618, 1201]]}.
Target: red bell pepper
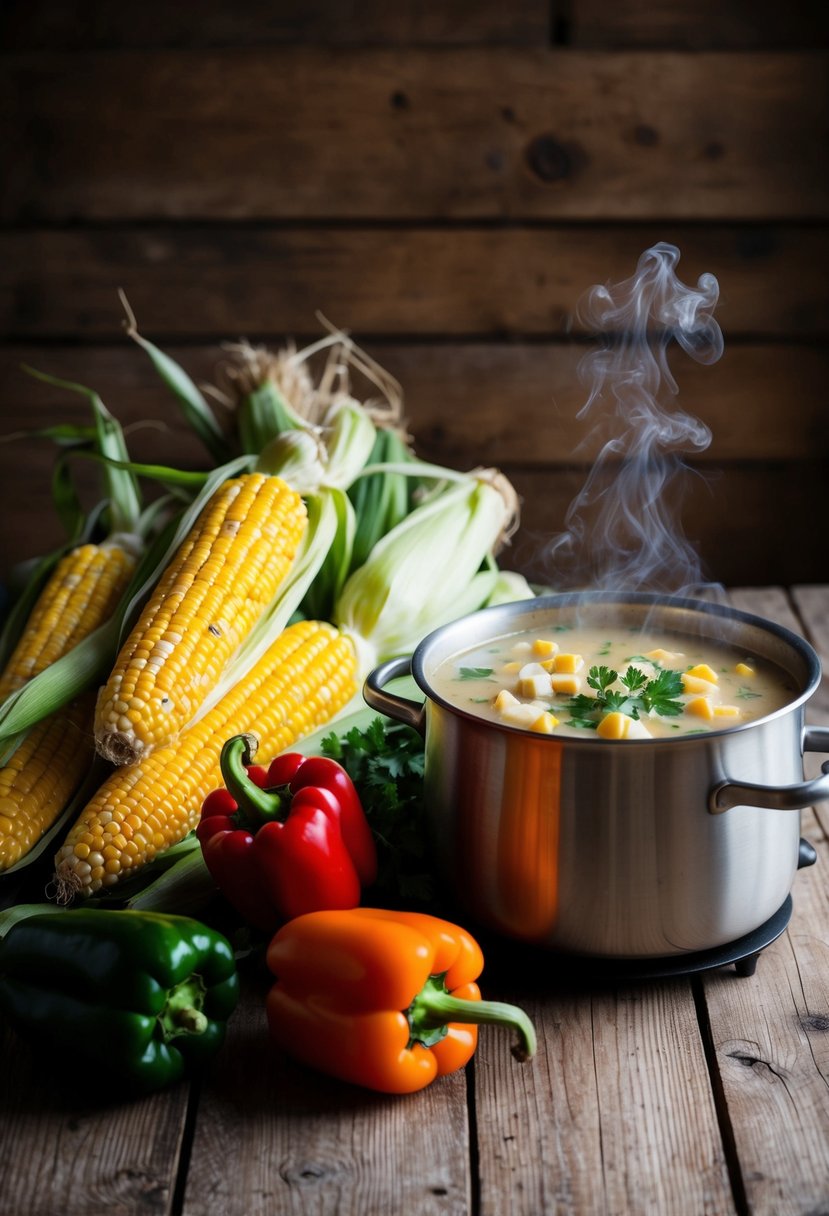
{"points": [[288, 841]]}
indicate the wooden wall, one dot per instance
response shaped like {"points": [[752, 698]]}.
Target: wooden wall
{"points": [[444, 180]]}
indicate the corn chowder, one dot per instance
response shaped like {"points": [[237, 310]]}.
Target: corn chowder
{"points": [[616, 685]]}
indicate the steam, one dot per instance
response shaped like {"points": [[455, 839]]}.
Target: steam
{"points": [[622, 532]]}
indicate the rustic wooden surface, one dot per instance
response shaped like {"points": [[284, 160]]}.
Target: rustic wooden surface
{"points": [[687, 1096], [445, 181]]}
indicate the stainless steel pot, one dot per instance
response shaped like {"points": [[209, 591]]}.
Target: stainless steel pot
{"points": [[630, 848]]}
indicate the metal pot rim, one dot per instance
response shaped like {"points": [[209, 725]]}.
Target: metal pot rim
{"points": [[499, 616]]}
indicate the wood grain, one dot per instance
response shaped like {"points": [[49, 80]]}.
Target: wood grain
{"points": [[68, 1153], [41, 24], [223, 281], [469, 404], [769, 1033], [481, 133], [699, 24], [510, 403], [273, 1137], [614, 1115]]}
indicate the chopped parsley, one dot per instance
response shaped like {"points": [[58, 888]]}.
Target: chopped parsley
{"points": [[474, 673], [638, 695], [385, 762], [747, 694]]}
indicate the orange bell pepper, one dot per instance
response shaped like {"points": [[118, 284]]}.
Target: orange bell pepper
{"points": [[383, 999]]}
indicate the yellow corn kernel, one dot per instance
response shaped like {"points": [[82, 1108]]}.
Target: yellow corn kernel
{"points": [[511, 668], [617, 725], [743, 669], [79, 595], [545, 648], [703, 672], [701, 707], [217, 586], [692, 683], [545, 723], [664, 657], [42, 775], [563, 683], [568, 663], [548, 664], [614, 726], [726, 711], [300, 683], [504, 700]]}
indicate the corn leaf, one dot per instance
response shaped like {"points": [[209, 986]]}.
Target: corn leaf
{"points": [[427, 570], [194, 405]]}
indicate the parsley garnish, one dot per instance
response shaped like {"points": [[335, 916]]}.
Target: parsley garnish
{"points": [[385, 762], [747, 694], [640, 695], [474, 673]]}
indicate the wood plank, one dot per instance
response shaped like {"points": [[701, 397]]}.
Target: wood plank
{"points": [[83, 1158], [226, 281], [273, 1137], [769, 1035], [86, 24], [745, 517], [512, 403], [614, 1115], [746, 525], [310, 133], [699, 24]]}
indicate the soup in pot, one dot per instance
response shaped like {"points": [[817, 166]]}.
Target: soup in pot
{"points": [[611, 684]]}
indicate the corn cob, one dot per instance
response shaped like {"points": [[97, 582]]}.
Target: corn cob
{"points": [[80, 595], [42, 775], [219, 583], [300, 683]]}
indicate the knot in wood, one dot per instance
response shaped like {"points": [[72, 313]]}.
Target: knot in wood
{"points": [[549, 159]]}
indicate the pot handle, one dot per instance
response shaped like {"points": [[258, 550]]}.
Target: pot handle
{"points": [[402, 709], [781, 797]]}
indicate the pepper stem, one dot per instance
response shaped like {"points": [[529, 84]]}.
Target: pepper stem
{"points": [[183, 1014], [256, 806], [434, 1007]]}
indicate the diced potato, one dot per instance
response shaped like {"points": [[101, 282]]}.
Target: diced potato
{"points": [[726, 711], [563, 683], [521, 648], [666, 658], [693, 683], [535, 686], [743, 669], [703, 672], [545, 723], [701, 707], [523, 714], [619, 726], [569, 663], [505, 699], [545, 647]]}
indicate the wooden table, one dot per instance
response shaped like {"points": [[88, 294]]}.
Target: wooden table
{"points": [[700, 1095]]}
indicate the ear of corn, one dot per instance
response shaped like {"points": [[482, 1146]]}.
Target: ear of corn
{"points": [[39, 780], [302, 681], [222, 579], [81, 594]]}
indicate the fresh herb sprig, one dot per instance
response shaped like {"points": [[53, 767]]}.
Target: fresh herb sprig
{"points": [[638, 696], [385, 761]]}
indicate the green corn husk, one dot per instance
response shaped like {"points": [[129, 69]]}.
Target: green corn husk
{"points": [[433, 567], [381, 500]]}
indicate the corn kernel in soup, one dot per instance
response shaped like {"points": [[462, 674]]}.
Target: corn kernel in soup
{"points": [[612, 684]]}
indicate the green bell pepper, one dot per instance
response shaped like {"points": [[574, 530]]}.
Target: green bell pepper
{"points": [[140, 997]]}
